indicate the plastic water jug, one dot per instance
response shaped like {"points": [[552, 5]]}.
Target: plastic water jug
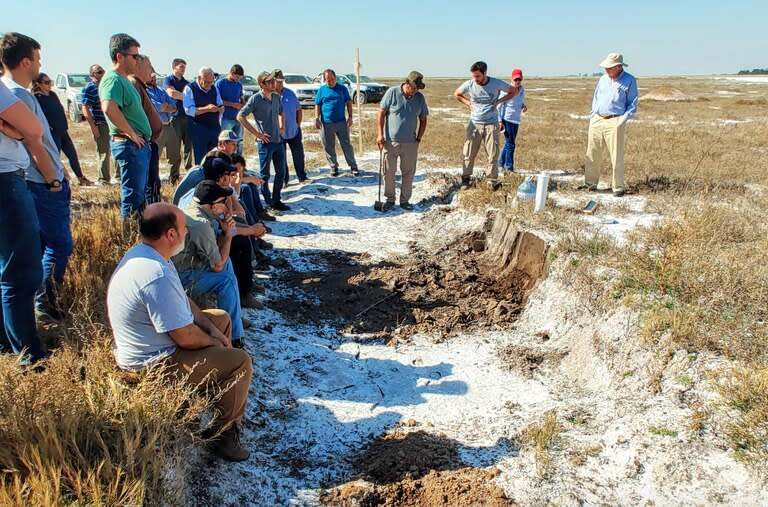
{"points": [[526, 192]]}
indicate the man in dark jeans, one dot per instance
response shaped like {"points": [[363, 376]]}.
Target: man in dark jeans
{"points": [[174, 86], [46, 177], [293, 115]]}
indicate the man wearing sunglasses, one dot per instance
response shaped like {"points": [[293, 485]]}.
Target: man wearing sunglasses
{"points": [[128, 124], [91, 108]]}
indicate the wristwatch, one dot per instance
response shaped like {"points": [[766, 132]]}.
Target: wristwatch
{"points": [[53, 184]]}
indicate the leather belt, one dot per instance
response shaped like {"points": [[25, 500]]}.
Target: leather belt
{"points": [[121, 136], [608, 117]]}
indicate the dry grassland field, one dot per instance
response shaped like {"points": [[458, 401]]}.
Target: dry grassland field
{"points": [[471, 352]]}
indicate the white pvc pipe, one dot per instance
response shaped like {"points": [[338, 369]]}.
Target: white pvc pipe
{"points": [[542, 181]]}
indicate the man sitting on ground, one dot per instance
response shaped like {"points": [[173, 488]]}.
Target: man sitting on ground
{"points": [[154, 322], [204, 265]]}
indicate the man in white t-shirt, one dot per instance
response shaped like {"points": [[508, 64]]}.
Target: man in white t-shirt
{"points": [[154, 322], [482, 94]]}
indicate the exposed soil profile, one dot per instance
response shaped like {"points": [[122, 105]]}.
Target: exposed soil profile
{"points": [[416, 469], [443, 293]]}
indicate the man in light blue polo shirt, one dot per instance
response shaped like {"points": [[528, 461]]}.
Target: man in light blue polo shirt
{"points": [[401, 107], [331, 102], [482, 94], [613, 105], [231, 92]]}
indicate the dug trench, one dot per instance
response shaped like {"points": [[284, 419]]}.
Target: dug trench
{"points": [[479, 281]]}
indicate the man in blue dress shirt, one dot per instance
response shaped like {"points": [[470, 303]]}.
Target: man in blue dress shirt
{"points": [[613, 105]]}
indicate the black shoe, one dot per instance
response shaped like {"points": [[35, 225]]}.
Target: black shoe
{"points": [[280, 206], [264, 245], [238, 344], [305, 181], [466, 181], [266, 216], [589, 188], [495, 185], [266, 227], [335, 172], [619, 193], [355, 171], [406, 206], [387, 206]]}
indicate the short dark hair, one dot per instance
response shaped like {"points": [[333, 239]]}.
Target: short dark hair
{"points": [[14, 47], [331, 71], [155, 226], [237, 69], [479, 67], [119, 43], [238, 159], [177, 61]]}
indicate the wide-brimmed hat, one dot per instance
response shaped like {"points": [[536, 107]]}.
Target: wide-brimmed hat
{"points": [[416, 79], [612, 60], [208, 192], [265, 76]]}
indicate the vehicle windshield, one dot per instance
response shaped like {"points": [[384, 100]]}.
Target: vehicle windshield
{"points": [[249, 81], [363, 79], [78, 80], [342, 79], [297, 79]]}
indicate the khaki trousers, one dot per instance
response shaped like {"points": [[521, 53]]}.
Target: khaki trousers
{"points": [[605, 133], [172, 147], [487, 135], [407, 152], [227, 370], [104, 151]]}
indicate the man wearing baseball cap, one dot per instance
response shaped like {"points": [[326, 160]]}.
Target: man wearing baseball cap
{"points": [[204, 265], [401, 108], [613, 105], [226, 146]]}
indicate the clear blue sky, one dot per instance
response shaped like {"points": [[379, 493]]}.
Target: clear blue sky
{"points": [[440, 38]]}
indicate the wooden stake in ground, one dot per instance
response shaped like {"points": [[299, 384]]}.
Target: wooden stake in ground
{"points": [[357, 100]]}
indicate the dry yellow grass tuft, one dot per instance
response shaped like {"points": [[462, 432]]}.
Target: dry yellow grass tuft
{"points": [[542, 438]]}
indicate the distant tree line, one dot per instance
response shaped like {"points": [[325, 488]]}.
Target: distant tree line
{"points": [[754, 71]]}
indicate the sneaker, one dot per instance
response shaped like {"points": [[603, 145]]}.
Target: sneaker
{"points": [[84, 182], [264, 215], [335, 172], [355, 171], [280, 206], [246, 323], [466, 181], [619, 193], [249, 301], [239, 343], [388, 206], [495, 185], [406, 206], [227, 445], [264, 245]]}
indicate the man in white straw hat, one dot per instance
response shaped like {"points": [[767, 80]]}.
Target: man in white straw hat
{"points": [[613, 105]]}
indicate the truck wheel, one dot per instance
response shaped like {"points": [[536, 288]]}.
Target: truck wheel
{"points": [[74, 113], [360, 98]]}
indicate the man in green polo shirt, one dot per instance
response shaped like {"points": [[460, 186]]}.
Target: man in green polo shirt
{"points": [[128, 125]]}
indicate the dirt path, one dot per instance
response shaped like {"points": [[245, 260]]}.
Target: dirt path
{"points": [[388, 354]]}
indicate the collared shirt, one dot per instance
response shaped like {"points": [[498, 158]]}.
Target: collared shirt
{"points": [[291, 104], [265, 112], [189, 182], [158, 97], [178, 84], [333, 103], [511, 110], [118, 89], [615, 97], [32, 172], [402, 114], [53, 111], [13, 156], [145, 301], [482, 98], [230, 91], [89, 96], [189, 100], [200, 248]]}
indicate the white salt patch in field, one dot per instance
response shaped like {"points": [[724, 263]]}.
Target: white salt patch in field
{"points": [[578, 116], [748, 79], [728, 93], [433, 110]]}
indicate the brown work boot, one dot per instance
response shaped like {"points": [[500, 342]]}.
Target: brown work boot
{"points": [[227, 445], [248, 301]]}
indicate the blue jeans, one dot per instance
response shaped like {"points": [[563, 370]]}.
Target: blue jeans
{"points": [[152, 190], [249, 198], [133, 166], [20, 269], [297, 154], [268, 153], [236, 127], [55, 238], [204, 139], [200, 282], [507, 158]]}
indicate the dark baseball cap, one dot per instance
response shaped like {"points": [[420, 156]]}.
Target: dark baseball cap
{"points": [[278, 74], [208, 192], [416, 79], [215, 168]]}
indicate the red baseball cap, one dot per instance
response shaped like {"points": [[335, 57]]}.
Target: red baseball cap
{"points": [[517, 73]]}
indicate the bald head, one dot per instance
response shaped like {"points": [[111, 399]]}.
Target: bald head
{"points": [[157, 219]]}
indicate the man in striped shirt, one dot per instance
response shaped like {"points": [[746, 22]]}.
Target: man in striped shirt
{"points": [[95, 117]]}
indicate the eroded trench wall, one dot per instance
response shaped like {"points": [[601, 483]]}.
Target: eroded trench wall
{"points": [[512, 252]]}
